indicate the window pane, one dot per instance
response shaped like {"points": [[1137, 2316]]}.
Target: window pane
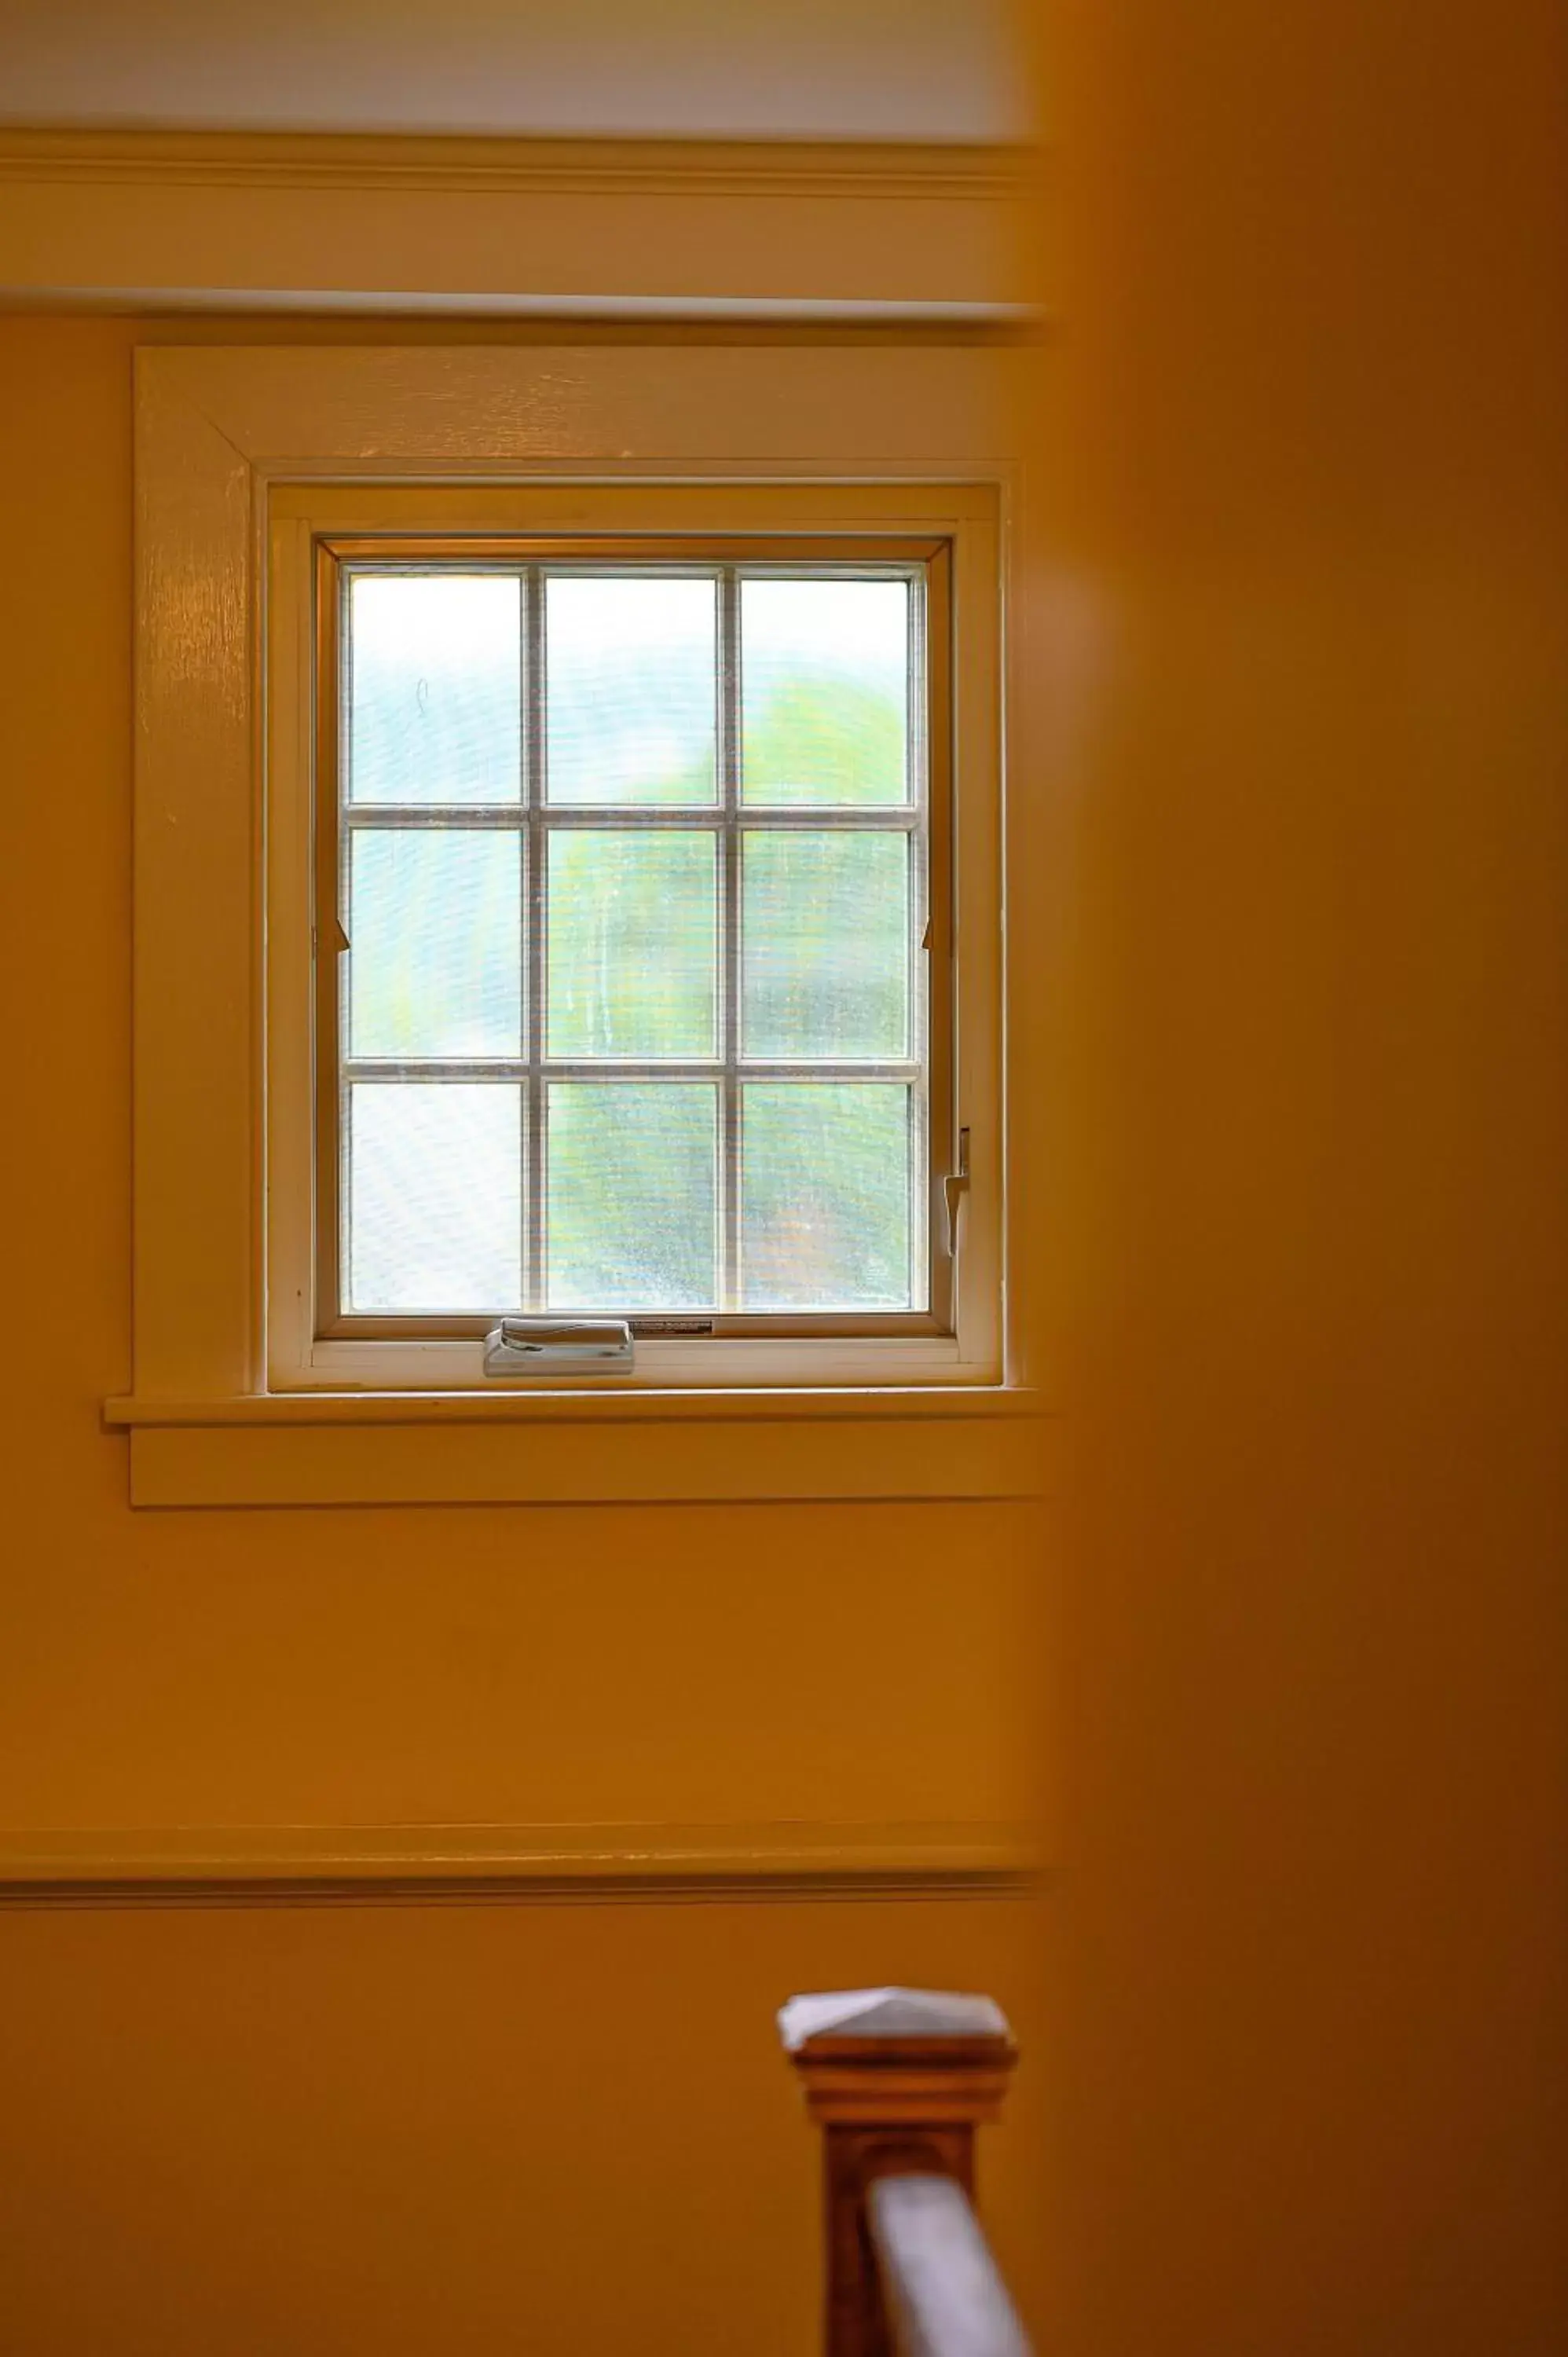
{"points": [[825, 964], [630, 671], [435, 665], [434, 919], [824, 1196], [633, 919], [631, 1196], [435, 1196], [824, 687]]}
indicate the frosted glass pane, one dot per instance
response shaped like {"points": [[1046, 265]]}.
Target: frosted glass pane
{"points": [[825, 946], [434, 921], [633, 921], [825, 1196], [434, 668], [825, 688], [434, 1196], [630, 1196], [630, 671]]}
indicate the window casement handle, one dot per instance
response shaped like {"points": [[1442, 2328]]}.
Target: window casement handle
{"points": [[955, 1186]]}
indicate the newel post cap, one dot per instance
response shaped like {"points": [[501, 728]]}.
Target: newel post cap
{"points": [[877, 2056]]}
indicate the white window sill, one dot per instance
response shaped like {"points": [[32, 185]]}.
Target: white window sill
{"points": [[824, 1364], [580, 1447]]}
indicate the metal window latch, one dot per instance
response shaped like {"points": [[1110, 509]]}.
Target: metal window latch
{"points": [[955, 1186], [559, 1346]]}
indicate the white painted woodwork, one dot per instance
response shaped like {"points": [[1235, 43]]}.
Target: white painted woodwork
{"points": [[221, 431]]}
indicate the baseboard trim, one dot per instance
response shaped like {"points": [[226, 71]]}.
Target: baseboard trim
{"points": [[473, 1865]]}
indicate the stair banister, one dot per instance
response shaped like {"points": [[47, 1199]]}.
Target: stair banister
{"points": [[899, 2080]]}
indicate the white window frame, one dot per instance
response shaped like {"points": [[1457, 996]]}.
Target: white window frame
{"points": [[306, 521], [244, 456], [922, 814]]}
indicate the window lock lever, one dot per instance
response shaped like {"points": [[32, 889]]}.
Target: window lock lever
{"points": [[955, 1186], [559, 1346]]}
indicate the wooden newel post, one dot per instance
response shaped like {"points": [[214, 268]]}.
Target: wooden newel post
{"points": [[900, 2079]]}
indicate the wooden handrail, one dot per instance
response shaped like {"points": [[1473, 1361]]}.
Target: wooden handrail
{"points": [[899, 2080], [943, 2289]]}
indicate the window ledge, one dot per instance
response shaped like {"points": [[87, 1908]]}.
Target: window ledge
{"points": [[583, 1448]]}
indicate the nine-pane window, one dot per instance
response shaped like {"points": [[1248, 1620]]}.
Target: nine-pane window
{"points": [[632, 860]]}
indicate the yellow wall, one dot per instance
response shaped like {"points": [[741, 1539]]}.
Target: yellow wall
{"points": [[1302, 769], [345, 2129], [1307, 737]]}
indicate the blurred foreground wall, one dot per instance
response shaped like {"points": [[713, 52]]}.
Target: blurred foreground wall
{"points": [[1301, 607]]}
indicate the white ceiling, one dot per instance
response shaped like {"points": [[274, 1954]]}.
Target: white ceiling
{"points": [[939, 70]]}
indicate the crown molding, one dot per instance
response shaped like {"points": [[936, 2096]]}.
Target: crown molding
{"points": [[151, 220], [272, 1866]]}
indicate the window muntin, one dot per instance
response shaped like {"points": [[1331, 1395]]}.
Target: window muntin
{"points": [[635, 855]]}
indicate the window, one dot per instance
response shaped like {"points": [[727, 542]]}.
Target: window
{"points": [[633, 947], [272, 482], [633, 930]]}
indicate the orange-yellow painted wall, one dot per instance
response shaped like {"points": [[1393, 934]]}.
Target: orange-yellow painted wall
{"points": [[1301, 776], [401, 2130], [1304, 603], [336, 2130]]}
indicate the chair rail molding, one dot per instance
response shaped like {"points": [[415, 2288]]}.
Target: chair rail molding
{"points": [[185, 1865]]}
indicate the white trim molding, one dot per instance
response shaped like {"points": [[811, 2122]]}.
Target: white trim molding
{"points": [[268, 1865], [685, 228], [567, 1449], [220, 432]]}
